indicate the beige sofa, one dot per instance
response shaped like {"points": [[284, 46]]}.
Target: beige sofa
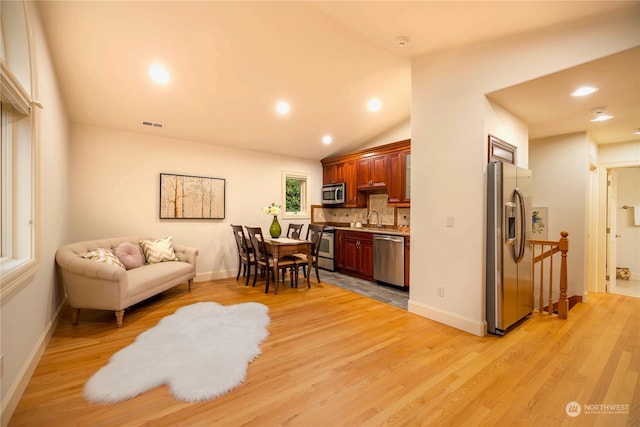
{"points": [[94, 284]]}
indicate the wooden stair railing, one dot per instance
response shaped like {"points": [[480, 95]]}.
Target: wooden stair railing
{"points": [[539, 247]]}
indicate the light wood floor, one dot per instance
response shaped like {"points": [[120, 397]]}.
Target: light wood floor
{"points": [[335, 358]]}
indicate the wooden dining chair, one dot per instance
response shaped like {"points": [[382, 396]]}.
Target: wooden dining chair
{"points": [[264, 259], [314, 235], [294, 231], [245, 253]]}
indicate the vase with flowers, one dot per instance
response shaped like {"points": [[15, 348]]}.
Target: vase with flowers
{"points": [[275, 230]]}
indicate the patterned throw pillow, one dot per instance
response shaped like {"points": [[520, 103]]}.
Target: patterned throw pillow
{"points": [[160, 250], [129, 255], [103, 255]]}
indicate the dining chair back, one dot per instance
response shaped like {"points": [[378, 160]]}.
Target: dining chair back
{"points": [[314, 235], [245, 252], [294, 231]]}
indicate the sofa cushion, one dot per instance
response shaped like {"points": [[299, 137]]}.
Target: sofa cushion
{"points": [[150, 276], [129, 254], [160, 250], [103, 255]]}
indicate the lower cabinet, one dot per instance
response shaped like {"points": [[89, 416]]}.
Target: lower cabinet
{"points": [[355, 253]]}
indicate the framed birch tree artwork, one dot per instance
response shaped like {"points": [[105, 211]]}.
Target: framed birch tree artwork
{"points": [[191, 197]]}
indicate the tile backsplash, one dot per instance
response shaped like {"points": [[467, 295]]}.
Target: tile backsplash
{"points": [[389, 215]]}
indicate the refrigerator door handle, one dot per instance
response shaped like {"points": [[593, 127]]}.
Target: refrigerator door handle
{"points": [[523, 233]]}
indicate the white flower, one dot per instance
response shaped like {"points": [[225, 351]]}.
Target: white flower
{"points": [[272, 209]]}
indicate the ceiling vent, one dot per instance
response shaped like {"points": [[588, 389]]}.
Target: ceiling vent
{"points": [[151, 124]]}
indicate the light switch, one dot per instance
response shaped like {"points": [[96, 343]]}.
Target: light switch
{"points": [[450, 221]]}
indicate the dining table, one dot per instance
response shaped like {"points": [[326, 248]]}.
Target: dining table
{"points": [[280, 247]]}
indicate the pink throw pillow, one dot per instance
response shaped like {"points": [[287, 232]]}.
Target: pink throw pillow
{"points": [[129, 255]]}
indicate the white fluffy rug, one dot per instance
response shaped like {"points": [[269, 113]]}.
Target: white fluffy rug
{"points": [[201, 352]]}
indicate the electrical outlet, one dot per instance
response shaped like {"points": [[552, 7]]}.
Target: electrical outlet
{"points": [[450, 221], [441, 291]]}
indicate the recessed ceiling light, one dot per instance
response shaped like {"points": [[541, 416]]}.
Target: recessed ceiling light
{"points": [[283, 108], [600, 115], [327, 139], [374, 105], [159, 74], [584, 91]]}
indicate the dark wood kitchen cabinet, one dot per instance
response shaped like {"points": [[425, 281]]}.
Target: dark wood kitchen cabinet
{"points": [[334, 173], [345, 172], [371, 172], [398, 177], [355, 253], [372, 169]]}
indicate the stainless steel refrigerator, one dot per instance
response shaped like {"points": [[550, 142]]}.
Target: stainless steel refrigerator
{"points": [[508, 277]]}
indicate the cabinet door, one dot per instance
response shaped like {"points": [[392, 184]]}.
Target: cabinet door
{"points": [[371, 172], [363, 174], [365, 255], [339, 249], [327, 174], [354, 198], [379, 171], [333, 173], [350, 255], [399, 177], [406, 166], [394, 177]]}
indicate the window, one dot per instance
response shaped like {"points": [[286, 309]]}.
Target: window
{"points": [[18, 142], [295, 197]]}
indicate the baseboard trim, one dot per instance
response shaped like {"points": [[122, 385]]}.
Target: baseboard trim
{"points": [[13, 396], [214, 275], [466, 324]]}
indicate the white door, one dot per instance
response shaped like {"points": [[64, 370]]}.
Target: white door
{"points": [[612, 203]]}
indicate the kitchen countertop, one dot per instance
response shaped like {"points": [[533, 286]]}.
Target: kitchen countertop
{"points": [[376, 230]]}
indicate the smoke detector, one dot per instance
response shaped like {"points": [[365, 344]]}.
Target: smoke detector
{"points": [[402, 41]]}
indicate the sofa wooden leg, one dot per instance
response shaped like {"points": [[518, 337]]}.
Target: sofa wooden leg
{"points": [[75, 314], [119, 317], [189, 282]]}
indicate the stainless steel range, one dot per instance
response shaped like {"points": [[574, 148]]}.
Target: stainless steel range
{"points": [[327, 251]]}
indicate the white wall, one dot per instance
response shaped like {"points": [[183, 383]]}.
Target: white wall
{"points": [[118, 194], [28, 314], [449, 127], [396, 133], [560, 168], [619, 155]]}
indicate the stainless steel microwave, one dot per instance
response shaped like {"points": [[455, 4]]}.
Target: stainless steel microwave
{"points": [[334, 194]]}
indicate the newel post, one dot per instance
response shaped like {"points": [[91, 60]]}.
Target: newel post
{"points": [[563, 302]]}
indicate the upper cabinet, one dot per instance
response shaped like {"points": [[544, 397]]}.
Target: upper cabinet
{"points": [[371, 172], [386, 167], [399, 177]]}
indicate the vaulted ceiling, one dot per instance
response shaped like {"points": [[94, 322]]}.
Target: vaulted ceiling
{"points": [[231, 62]]}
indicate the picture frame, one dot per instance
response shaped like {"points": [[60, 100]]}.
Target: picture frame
{"points": [[501, 150], [191, 197], [540, 223]]}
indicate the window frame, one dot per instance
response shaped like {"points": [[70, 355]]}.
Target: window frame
{"points": [[20, 248], [305, 200]]}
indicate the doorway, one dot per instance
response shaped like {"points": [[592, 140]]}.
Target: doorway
{"points": [[623, 226]]}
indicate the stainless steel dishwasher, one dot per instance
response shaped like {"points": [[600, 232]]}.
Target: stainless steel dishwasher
{"points": [[388, 259]]}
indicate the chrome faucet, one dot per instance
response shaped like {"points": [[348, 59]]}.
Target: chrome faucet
{"points": [[377, 218]]}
